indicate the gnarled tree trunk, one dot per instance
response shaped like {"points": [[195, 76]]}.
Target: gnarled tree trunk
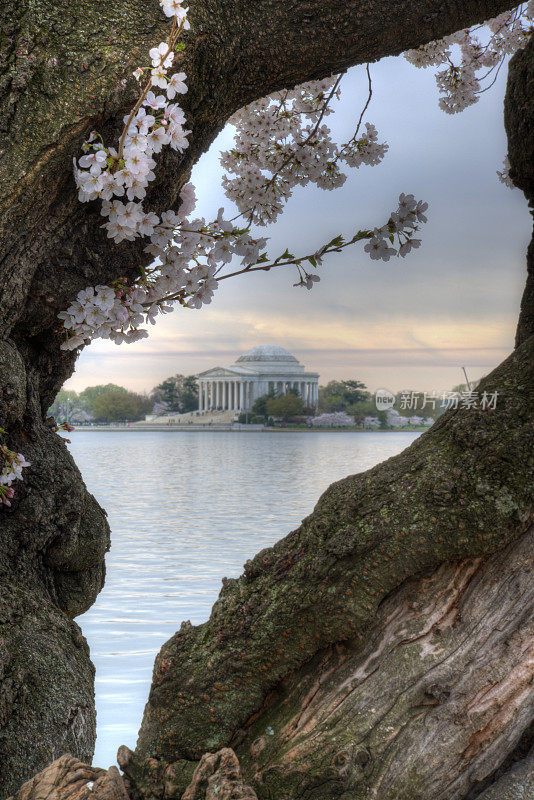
{"points": [[66, 68]]}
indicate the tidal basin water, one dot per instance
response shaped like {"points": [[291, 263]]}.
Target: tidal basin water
{"points": [[187, 509]]}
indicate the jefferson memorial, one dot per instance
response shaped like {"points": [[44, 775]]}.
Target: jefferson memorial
{"points": [[265, 368]]}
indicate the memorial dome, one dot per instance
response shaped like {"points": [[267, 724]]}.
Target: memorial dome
{"points": [[270, 353]]}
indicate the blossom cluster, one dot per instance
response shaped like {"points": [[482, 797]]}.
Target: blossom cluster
{"points": [[336, 419], [281, 142], [189, 256], [399, 230], [10, 471], [504, 174], [460, 84]]}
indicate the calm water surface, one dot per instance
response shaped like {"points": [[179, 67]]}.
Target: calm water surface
{"points": [[187, 509]]}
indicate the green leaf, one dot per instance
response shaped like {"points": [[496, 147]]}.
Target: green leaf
{"points": [[336, 241], [287, 254]]}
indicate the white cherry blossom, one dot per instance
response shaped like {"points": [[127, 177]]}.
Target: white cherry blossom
{"points": [[161, 56], [176, 85]]}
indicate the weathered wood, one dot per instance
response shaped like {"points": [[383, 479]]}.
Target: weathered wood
{"points": [[425, 704], [70, 779], [428, 702]]}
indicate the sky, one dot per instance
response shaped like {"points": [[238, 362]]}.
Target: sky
{"points": [[409, 323]]}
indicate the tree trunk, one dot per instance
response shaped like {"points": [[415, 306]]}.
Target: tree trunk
{"points": [[66, 68]]}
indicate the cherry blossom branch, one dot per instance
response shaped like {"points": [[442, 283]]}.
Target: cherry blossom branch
{"points": [[172, 37], [301, 145], [283, 135]]}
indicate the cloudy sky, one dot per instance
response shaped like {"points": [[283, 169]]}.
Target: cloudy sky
{"points": [[409, 323]]}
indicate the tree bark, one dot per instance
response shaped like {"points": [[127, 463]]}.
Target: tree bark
{"points": [[519, 125], [65, 69], [423, 704]]}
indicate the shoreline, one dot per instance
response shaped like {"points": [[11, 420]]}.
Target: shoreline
{"points": [[243, 429]]}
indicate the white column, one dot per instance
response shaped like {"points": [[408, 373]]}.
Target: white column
{"points": [[205, 403], [236, 395], [241, 396], [200, 395], [218, 403]]}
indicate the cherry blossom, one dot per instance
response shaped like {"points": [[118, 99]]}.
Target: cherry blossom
{"points": [[281, 141], [11, 466], [504, 174], [480, 50]]}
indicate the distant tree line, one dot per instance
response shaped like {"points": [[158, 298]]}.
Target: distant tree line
{"points": [[179, 394], [102, 403], [111, 403]]}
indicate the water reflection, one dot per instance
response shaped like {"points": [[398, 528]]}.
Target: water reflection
{"points": [[187, 509]]}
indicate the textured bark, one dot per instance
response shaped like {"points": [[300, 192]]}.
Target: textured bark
{"points": [[519, 124], [46, 684], [70, 779], [52, 545], [66, 68], [217, 777], [517, 784], [423, 704]]}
